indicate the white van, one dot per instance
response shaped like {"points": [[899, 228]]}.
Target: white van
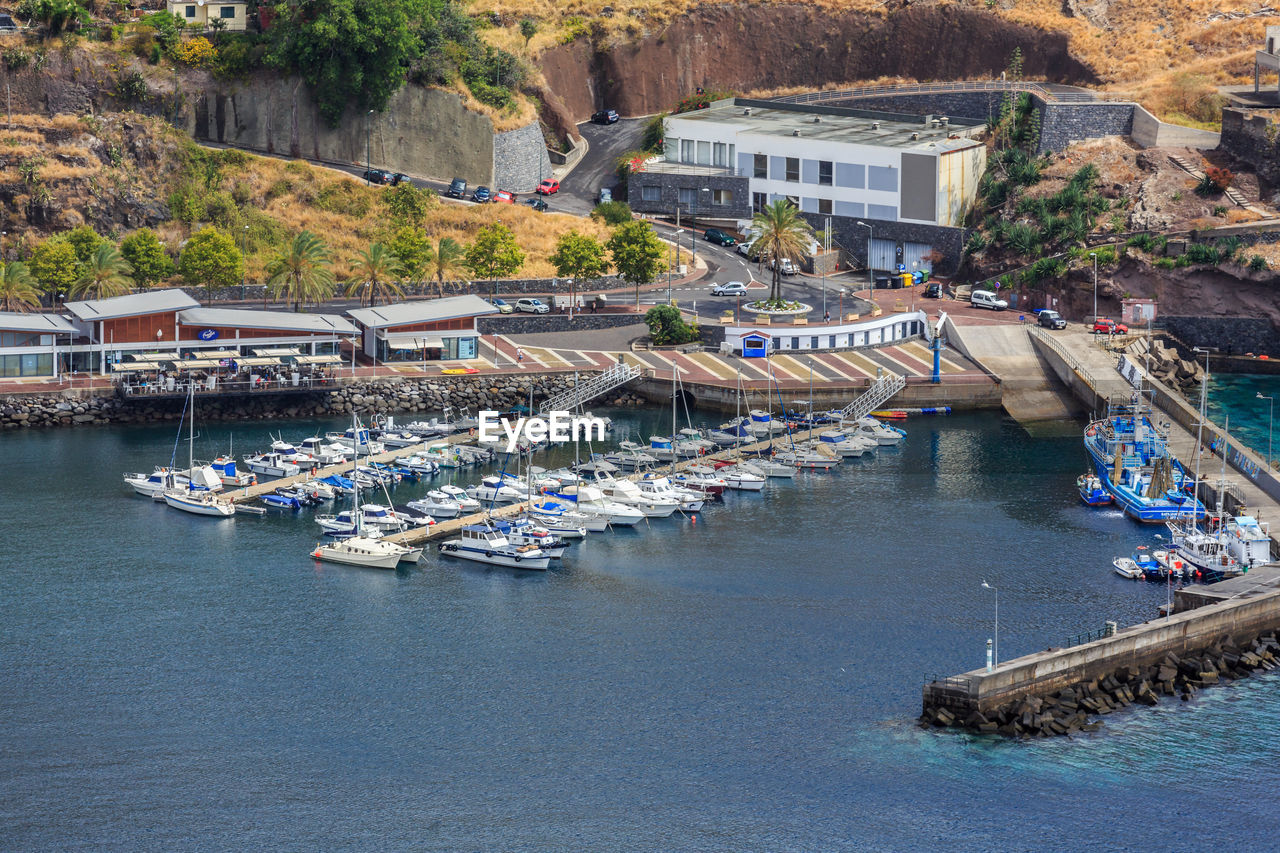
{"points": [[987, 299]]}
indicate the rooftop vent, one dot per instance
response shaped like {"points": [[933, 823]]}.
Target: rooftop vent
{"points": [[795, 132], [747, 111], [914, 137], [875, 125], [945, 121], [934, 123], [817, 119]]}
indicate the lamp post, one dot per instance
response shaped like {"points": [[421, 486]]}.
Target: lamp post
{"points": [[826, 248], [986, 585], [573, 298], [871, 234], [1270, 423], [368, 146], [671, 269], [841, 317], [1094, 255], [693, 224]]}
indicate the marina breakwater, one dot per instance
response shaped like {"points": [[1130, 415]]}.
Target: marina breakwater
{"points": [[1220, 633], [389, 395]]}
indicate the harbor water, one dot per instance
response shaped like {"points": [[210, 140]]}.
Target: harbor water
{"points": [[746, 681], [1235, 395]]}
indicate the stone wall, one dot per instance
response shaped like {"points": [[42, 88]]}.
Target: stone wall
{"points": [[1252, 139], [524, 324], [1061, 124], [380, 396], [1232, 335], [852, 237], [520, 159]]}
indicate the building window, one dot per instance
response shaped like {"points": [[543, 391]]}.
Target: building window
{"points": [[650, 193], [704, 153], [719, 154], [227, 12], [795, 343], [686, 150], [824, 172], [760, 166], [832, 339], [793, 170], [688, 196], [189, 11], [671, 149], [759, 201], [813, 342], [824, 206], [722, 197]]}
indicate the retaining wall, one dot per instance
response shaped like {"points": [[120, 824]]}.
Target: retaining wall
{"points": [[1233, 335], [517, 324], [1252, 139]]}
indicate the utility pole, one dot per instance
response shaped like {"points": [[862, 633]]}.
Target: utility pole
{"points": [[368, 146], [826, 247]]}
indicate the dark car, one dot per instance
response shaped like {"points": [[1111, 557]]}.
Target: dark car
{"points": [[482, 194], [400, 178], [377, 176], [537, 204], [457, 188], [933, 290], [605, 117], [715, 235], [1051, 319]]}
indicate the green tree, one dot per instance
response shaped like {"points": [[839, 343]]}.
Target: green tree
{"points": [[667, 326], [407, 204], [55, 266], [106, 274], [144, 252], [210, 259], [413, 250], [579, 256], [348, 50], [56, 15], [612, 212], [494, 254], [377, 269], [637, 253], [780, 233], [301, 272], [18, 290], [85, 241], [448, 259], [528, 29]]}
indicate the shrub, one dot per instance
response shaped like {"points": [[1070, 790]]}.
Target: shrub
{"points": [[1258, 264], [667, 326], [977, 242], [701, 99], [196, 53], [612, 212], [15, 59], [1022, 238], [1164, 263], [1219, 210], [132, 88]]}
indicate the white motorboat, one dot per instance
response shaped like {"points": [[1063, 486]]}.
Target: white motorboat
{"points": [[562, 520], [522, 530], [741, 479], [1126, 568], [1248, 540], [225, 467], [773, 470], [762, 424], [492, 489], [881, 434], [630, 494], [466, 503], [590, 501], [483, 543], [436, 504], [199, 503], [631, 458], [153, 484], [845, 445], [325, 452], [272, 465], [418, 464], [703, 479], [360, 551], [356, 439], [663, 488], [801, 458]]}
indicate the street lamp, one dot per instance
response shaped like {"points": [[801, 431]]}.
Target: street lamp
{"points": [[1270, 424], [986, 585], [826, 248], [573, 298], [693, 225], [368, 146], [871, 233], [841, 317], [1094, 255]]}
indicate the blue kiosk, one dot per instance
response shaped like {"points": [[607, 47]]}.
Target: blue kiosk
{"points": [[755, 345]]}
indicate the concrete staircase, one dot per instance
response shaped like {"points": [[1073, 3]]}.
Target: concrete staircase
{"points": [[616, 376]]}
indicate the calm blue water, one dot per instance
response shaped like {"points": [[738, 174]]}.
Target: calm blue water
{"points": [[1234, 395], [745, 682]]}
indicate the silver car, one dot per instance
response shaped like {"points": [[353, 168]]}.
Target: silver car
{"points": [[729, 288]]}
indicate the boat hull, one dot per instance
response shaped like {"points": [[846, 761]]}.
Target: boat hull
{"points": [[211, 509], [455, 548]]}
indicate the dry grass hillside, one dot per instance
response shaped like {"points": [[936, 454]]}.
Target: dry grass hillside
{"points": [[121, 172], [1163, 54]]}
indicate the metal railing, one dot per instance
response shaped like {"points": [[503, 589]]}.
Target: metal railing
{"points": [[1036, 89], [880, 392], [227, 386], [1087, 637], [618, 375]]}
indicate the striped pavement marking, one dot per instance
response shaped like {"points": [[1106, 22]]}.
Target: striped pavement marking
{"points": [[547, 357], [713, 365], [908, 364], [795, 370], [858, 362], [827, 360], [917, 348]]}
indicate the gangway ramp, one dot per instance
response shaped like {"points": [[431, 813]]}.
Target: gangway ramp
{"points": [[1030, 390]]}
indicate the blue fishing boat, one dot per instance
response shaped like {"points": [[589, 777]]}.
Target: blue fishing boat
{"points": [[1131, 458], [1091, 492]]}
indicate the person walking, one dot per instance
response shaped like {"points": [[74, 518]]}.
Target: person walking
{"points": [[520, 358]]}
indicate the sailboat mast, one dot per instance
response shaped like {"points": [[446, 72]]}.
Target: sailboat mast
{"points": [[1204, 399], [674, 374]]}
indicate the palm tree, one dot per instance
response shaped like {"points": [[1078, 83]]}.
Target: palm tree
{"points": [[780, 233], [378, 267], [446, 261], [106, 274], [18, 290], [300, 272]]}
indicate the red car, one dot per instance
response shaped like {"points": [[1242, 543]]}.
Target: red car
{"points": [[548, 187], [505, 197], [1107, 326]]}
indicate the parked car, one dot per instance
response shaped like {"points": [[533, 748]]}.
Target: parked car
{"points": [[457, 188], [505, 196], [933, 290], [377, 176], [537, 204], [548, 187], [605, 117], [987, 299], [745, 247], [399, 178], [1107, 326], [715, 235], [1051, 319], [786, 267], [481, 195], [532, 306], [729, 288], [502, 305], [606, 196]]}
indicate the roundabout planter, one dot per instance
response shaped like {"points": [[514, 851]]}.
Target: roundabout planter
{"points": [[760, 307]]}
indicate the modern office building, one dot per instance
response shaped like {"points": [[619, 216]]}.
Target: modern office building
{"points": [[427, 330], [910, 180]]}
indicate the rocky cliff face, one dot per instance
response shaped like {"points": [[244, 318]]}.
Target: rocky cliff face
{"points": [[744, 47]]}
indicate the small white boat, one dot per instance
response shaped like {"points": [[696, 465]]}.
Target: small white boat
{"points": [[801, 458], [272, 465], [590, 501], [562, 520], [199, 503], [484, 544], [225, 466], [155, 483], [357, 440], [436, 504], [324, 452], [1126, 568], [774, 470], [881, 434], [418, 464], [628, 493], [360, 551], [492, 490], [466, 503], [740, 479]]}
